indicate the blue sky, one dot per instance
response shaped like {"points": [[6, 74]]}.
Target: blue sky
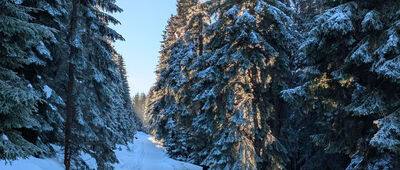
{"points": [[142, 24]]}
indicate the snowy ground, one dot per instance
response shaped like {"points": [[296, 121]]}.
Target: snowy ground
{"points": [[144, 154]]}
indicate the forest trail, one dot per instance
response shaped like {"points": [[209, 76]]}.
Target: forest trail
{"points": [[144, 154], [147, 154]]}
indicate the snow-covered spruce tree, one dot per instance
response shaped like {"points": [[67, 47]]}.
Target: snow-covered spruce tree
{"points": [[168, 116], [351, 74], [237, 84], [27, 104], [34, 73], [300, 125], [129, 122], [122, 71], [228, 95], [100, 118], [52, 14]]}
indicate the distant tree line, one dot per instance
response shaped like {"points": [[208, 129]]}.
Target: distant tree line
{"points": [[139, 106]]}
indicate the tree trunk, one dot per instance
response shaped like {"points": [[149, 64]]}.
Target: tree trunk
{"points": [[277, 118], [259, 107], [69, 109], [201, 43]]}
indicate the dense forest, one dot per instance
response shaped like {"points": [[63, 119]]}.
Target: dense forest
{"points": [[61, 81], [241, 85], [280, 84]]}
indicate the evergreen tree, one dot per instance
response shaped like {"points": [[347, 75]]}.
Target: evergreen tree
{"points": [[350, 65], [226, 98], [34, 78], [26, 104], [164, 108], [100, 116], [247, 67], [122, 71]]}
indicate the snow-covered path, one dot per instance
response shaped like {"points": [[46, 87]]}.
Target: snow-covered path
{"points": [[147, 154], [144, 154]]}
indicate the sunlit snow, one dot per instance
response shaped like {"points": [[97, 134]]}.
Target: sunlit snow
{"points": [[47, 90], [145, 153]]}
